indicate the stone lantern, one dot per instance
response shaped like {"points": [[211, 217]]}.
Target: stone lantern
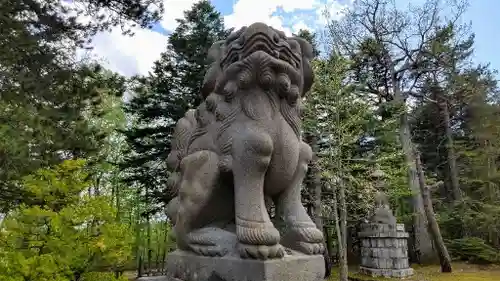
{"points": [[378, 177], [384, 246]]}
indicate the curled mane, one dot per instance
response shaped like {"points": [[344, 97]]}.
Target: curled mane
{"points": [[234, 66], [181, 136]]}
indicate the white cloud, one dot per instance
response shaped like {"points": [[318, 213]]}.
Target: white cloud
{"points": [[136, 55], [128, 55], [174, 9], [332, 10], [246, 12], [300, 25]]}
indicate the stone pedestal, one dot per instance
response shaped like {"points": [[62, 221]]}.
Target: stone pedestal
{"points": [[185, 266], [384, 250]]}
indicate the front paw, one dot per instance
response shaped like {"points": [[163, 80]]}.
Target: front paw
{"points": [[308, 248], [257, 233], [261, 252], [208, 250], [258, 240], [307, 240]]}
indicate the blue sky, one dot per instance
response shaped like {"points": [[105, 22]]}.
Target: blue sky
{"points": [[485, 18], [134, 55]]}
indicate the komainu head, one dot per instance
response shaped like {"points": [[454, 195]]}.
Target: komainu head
{"points": [[260, 56]]}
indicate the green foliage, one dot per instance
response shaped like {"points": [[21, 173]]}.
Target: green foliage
{"points": [[56, 125], [46, 96], [334, 116], [63, 233], [354, 140], [474, 250], [102, 276], [155, 243], [472, 97]]}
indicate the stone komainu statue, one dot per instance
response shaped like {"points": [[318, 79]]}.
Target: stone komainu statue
{"points": [[242, 145]]}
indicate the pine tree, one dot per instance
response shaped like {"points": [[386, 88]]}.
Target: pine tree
{"points": [[46, 131], [448, 56], [312, 38], [45, 95], [389, 47]]}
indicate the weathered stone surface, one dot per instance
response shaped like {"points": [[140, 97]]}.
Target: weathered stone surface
{"points": [[384, 249], [394, 273], [383, 213], [243, 144], [297, 267], [383, 234]]}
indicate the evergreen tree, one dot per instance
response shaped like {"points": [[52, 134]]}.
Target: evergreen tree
{"points": [[45, 95], [389, 48], [44, 131], [311, 37], [165, 95], [449, 56], [38, 39]]}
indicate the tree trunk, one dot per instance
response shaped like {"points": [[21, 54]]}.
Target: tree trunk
{"points": [[492, 190], [116, 187], [343, 230], [165, 242], [326, 254], [444, 257], [158, 250], [423, 250], [442, 171], [450, 153], [148, 229], [342, 248], [316, 183], [140, 266], [138, 236]]}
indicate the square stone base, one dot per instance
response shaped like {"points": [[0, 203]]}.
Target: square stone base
{"points": [[395, 273], [189, 267]]}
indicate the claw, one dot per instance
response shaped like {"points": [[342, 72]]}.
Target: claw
{"points": [[261, 252]]}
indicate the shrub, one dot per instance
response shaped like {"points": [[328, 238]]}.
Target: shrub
{"points": [[474, 250]]}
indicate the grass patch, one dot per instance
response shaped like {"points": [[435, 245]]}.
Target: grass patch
{"points": [[461, 272]]}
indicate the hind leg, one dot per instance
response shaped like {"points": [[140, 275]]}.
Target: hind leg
{"points": [[257, 236], [300, 233], [200, 173]]}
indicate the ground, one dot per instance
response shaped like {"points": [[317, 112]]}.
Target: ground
{"points": [[461, 272]]}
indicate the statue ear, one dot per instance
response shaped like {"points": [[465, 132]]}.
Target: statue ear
{"points": [[214, 70], [307, 71]]}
